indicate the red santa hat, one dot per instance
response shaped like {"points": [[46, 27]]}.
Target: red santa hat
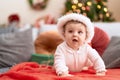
{"points": [[77, 17]]}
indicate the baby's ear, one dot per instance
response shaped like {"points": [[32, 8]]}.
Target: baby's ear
{"points": [[85, 38], [63, 34], [86, 35]]}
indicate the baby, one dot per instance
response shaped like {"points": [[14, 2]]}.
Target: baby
{"points": [[75, 53]]}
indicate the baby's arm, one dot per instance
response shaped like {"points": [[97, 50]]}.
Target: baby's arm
{"points": [[59, 63], [98, 63]]}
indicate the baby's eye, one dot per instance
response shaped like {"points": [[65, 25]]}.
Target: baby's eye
{"points": [[70, 31], [80, 32]]}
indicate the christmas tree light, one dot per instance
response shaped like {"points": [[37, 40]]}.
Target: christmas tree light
{"points": [[96, 10]]}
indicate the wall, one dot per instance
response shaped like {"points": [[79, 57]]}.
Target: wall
{"points": [[54, 7], [27, 14], [113, 6]]}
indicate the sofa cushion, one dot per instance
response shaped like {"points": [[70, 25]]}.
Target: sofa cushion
{"points": [[100, 40], [15, 47], [111, 55], [9, 29]]}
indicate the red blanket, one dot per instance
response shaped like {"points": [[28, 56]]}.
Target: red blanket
{"points": [[35, 71]]}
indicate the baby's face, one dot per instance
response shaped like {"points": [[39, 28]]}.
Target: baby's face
{"points": [[75, 34]]}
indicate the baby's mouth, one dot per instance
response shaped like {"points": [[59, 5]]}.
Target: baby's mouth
{"points": [[75, 40]]}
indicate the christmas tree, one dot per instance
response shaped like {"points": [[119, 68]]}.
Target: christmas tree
{"points": [[96, 10]]}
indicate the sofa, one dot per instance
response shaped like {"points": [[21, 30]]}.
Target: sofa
{"points": [[112, 29]]}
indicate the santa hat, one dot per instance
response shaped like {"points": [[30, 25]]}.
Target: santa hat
{"points": [[77, 17]]}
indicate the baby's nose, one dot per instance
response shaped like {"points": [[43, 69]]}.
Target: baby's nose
{"points": [[75, 33]]}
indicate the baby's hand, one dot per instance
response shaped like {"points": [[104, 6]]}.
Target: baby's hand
{"points": [[64, 74], [102, 73]]}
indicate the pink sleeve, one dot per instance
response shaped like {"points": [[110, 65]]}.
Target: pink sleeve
{"points": [[59, 61], [98, 63]]}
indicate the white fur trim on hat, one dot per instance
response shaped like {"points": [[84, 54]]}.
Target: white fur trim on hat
{"points": [[77, 17]]}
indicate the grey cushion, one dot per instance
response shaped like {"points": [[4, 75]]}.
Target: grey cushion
{"points": [[16, 47], [111, 56], [8, 29]]}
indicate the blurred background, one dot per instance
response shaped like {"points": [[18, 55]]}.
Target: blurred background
{"points": [[30, 10]]}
